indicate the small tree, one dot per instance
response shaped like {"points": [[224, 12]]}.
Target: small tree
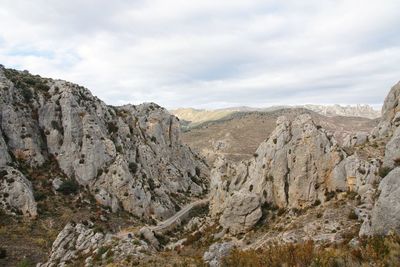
{"points": [[69, 187]]}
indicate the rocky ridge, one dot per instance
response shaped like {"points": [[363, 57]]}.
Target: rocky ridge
{"points": [[128, 157]]}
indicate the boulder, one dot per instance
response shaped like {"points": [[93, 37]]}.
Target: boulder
{"points": [[241, 213]]}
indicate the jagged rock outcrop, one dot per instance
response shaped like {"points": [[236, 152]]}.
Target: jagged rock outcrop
{"points": [[298, 166], [356, 139], [78, 241], [357, 175], [389, 127], [16, 194], [217, 252], [129, 157], [293, 168], [73, 240], [385, 213], [385, 216]]}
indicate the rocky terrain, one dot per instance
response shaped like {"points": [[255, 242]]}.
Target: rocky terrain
{"points": [[193, 117], [87, 184], [237, 136], [126, 158]]}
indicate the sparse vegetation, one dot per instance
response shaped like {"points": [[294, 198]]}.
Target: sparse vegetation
{"points": [[112, 127], [383, 171], [373, 251], [69, 187], [352, 215], [133, 167], [3, 253]]}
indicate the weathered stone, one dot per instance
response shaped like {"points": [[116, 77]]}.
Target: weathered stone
{"points": [[129, 157], [386, 212], [16, 194], [293, 168], [56, 183], [217, 252], [241, 212]]}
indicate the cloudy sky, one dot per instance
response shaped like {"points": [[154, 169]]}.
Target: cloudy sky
{"points": [[208, 53]]}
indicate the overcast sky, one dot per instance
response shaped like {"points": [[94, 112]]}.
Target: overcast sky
{"points": [[209, 53]]}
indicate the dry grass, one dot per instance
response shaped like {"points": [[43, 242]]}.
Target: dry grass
{"points": [[373, 251]]}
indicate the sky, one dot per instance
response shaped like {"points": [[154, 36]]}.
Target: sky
{"points": [[209, 54]]}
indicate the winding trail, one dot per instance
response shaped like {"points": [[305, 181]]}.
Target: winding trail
{"points": [[178, 217]]}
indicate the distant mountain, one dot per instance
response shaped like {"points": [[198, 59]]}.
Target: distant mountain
{"points": [[364, 111], [194, 117]]}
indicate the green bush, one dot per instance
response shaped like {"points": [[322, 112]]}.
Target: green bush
{"points": [[112, 127], [24, 263], [69, 187], [133, 167]]}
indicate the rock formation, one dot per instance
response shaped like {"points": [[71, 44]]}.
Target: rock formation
{"points": [[384, 215], [386, 212], [16, 195], [129, 157], [299, 165], [80, 242]]}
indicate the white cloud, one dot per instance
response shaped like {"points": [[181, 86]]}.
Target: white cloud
{"points": [[209, 53]]}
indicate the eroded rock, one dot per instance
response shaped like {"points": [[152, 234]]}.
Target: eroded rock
{"points": [[16, 193]]}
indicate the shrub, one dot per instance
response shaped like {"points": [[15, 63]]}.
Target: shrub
{"points": [[317, 203], [55, 125], [133, 167], [69, 187], [3, 173], [3, 253], [27, 94], [24, 263], [112, 127], [39, 196], [383, 171]]}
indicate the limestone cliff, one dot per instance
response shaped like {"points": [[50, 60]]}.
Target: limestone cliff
{"points": [[128, 157]]}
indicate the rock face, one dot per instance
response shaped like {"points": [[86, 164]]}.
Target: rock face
{"points": [[242, 211], [389, 127], [293, 168], [298, 166], [16, 194], [71, 241], [129, 157], [386, 212], [217, 252], [357, 139], [77, 241], [357, 175]]}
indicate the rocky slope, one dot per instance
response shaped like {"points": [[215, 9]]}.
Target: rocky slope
{"points": [[301, 165], [128, 157], [194, 117], [238, 135], [298, 166]]}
